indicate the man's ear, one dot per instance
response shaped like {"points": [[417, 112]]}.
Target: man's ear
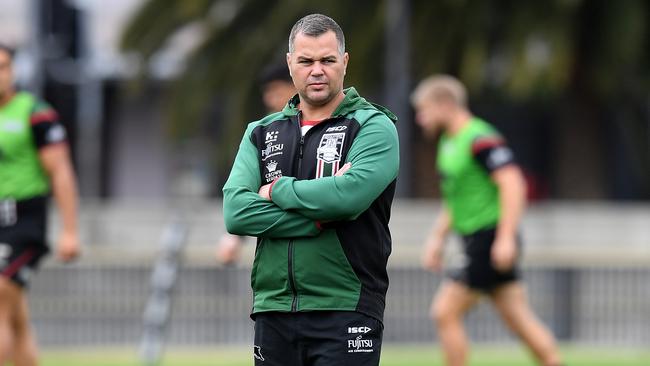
{"points": [[346, 58], [289, 63]]}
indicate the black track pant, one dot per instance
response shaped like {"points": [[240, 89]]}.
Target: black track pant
{"points": [[317, 338]]}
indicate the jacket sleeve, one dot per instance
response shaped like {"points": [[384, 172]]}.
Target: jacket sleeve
{"points": [[246, 213], [374, 155]]}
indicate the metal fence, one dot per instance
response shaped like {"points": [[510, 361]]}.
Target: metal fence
{"points": [[99, 306], [586, 267]]}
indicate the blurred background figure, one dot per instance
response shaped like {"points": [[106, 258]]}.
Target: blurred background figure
{"points": [[277, 88], [34, 161], [483, 201]]}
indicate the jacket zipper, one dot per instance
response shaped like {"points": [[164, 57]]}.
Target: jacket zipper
{"points": [[292, 280], [302, 142]]}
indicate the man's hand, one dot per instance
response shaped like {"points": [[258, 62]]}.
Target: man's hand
{"points": [[229, 249], [504, 253], [265, 191], [343, 169], [68, 248], [433, 254]]}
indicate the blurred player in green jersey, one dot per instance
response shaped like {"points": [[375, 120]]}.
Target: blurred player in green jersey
{"points": [[34, 161], [483, 200]]}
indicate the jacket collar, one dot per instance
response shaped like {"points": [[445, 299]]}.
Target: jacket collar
{"points": [[352, 102]]}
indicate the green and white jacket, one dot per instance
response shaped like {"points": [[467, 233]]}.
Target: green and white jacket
{"points": [[323, 241]]}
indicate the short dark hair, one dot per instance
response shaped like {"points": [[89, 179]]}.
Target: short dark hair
{"points": [[314, 25], [274, 72], [8, 49]]}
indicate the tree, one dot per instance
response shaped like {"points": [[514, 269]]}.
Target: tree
{"points": [[240, 38], [588, 52]]}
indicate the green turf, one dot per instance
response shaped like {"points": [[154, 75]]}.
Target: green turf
{"points": [[391, 356]]}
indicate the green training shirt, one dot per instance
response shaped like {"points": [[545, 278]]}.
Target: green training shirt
{"points": [[26, 125], [465, 162]]}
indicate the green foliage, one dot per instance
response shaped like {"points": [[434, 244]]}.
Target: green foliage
{"points": [[156, 20], [516, 50], [234, 50]]}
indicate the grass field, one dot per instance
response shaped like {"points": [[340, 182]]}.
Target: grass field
{"points": [[391, 356]]}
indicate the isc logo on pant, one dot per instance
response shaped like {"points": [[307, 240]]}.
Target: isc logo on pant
{"points": [[357, 330]]}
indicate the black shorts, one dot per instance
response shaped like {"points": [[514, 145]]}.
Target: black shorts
{"points": [[22, 238], [477, 272], [317, 338]]}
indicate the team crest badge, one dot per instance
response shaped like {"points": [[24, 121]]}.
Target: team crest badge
{"points": [[328, 154]]}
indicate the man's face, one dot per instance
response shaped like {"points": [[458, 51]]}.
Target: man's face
{"points": [[317, 68], [276, 93], [6, 74], [431, 115]]}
